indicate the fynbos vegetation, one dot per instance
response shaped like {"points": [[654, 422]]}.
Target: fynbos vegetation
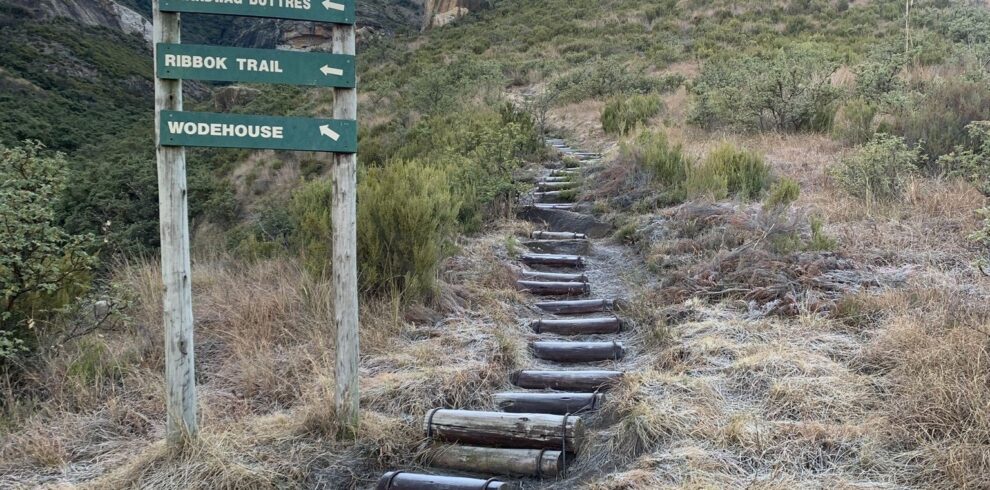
{"points": [[793, 197]]}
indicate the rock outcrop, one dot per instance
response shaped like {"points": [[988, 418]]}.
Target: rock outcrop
{"points": [[439, 13], [104, 13]]}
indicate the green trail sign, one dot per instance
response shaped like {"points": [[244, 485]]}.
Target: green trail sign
{"points": [[258, 132], [197, 62], [336, 11]]}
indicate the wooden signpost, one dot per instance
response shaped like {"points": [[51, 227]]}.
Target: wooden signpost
{"points": [[175, 129]]}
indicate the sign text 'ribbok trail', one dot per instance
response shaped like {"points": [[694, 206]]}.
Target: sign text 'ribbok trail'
{"points": [[196, 62]]}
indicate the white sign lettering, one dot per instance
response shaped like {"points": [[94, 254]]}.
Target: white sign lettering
{"points": [[220, 129]]}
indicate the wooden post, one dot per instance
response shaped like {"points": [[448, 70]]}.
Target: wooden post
{"points": [[345, 295], [180, 371]]}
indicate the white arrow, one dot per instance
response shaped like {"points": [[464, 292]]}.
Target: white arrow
{"points": [[332, 71], [329, 133], [327, 4]]}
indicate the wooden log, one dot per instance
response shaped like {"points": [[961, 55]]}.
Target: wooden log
{"points": [[578, 351], [553, 260], [560, 172], [566, 380], [554, 288], [557, 235], [553, 276], [564, 247], [497, 461], [578, 326], [575, 307], [403, 480], [557, 179], [554, 196], [558, 206], [556, 185], [499, 429], [553, 403]]}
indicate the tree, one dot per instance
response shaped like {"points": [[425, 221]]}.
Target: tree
{"points": [[42, 267]]}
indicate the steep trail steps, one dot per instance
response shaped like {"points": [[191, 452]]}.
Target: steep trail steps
{"points": [[538, 430]]}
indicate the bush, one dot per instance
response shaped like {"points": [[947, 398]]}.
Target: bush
{"points": [[879, 170], [664, 162], [728, 171], [407, 217], [982, 237], [706, 182], [789, 91], [42, 267], [782, 194], [971, 162], [622, 114], [605, 79], [854, 122], [937, 115]]}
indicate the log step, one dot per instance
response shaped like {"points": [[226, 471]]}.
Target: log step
{"points": [[403, 480], [557, 206], [578, 326], [563, 247], [554, 196], [575, 307], [539, 463], [557, 235], [552, 403], [508, 430], [555, 260], [553, 276], [556, 185], [556, 179], [578, 351], [563, 173], [566, 380], [554, 288]]}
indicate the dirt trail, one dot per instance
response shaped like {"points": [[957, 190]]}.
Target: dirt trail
{"points": [[608, 272]]}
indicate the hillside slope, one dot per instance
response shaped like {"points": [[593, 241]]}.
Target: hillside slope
{"points": [[795, 200]]}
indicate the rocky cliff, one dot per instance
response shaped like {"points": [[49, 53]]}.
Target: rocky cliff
{"points": [[442, 12], [104, 13]]}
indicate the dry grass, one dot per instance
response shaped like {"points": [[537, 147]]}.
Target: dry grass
{"points": [[874, 383], [265, 358]]}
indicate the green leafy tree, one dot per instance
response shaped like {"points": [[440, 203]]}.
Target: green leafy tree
{"points": [[42, 267]]}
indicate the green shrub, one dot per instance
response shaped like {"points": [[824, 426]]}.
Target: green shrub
{"points": [[738, 172], [653, 153], [310, 213], [936, 117], [622, 114], [42, 267], [879, 170], [706, 181], [407, 217], [972, 161], [854, 122], [820, 241], [782, 194], [982, 237], [606, 78], [789, 91]]}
